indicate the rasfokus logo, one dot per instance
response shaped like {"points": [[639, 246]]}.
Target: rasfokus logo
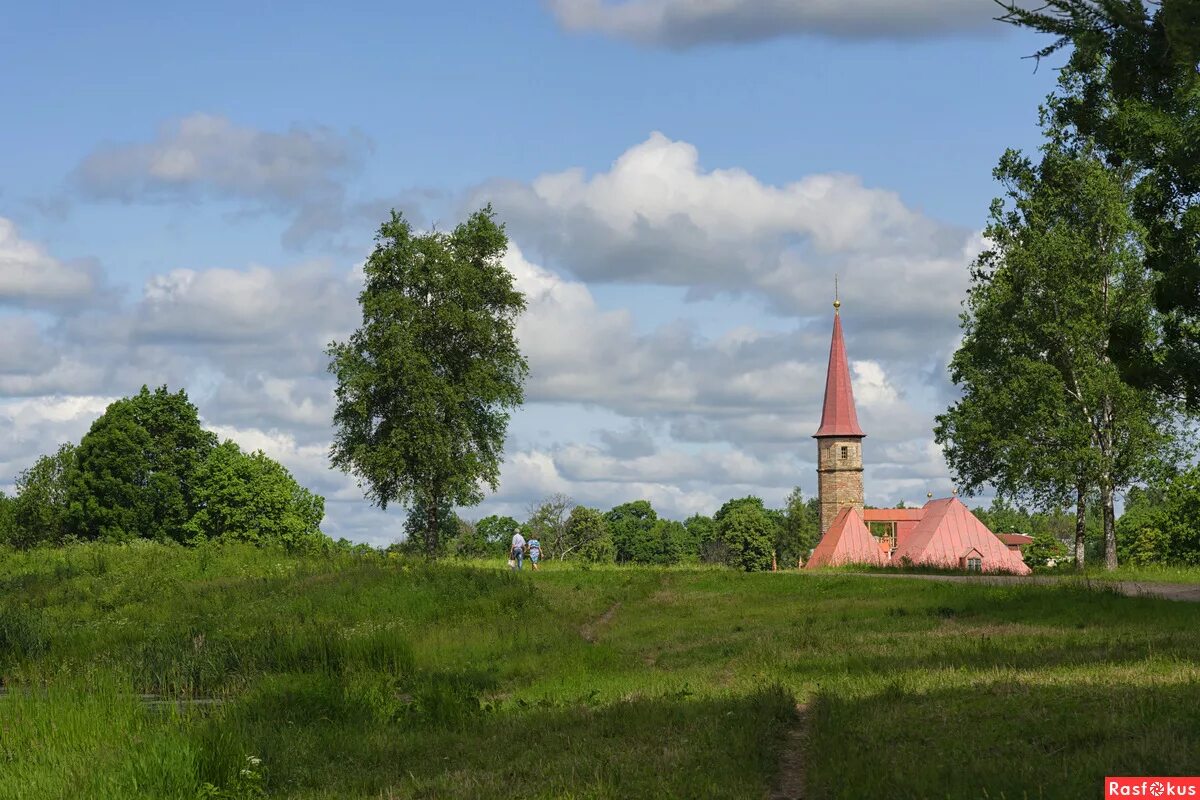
{"points": [[1151, 787]]}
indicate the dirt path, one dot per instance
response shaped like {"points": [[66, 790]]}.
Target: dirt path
{"points": [[789, 783], [591, 630], [1185, 592]]}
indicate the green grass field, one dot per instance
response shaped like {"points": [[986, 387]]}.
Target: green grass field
{"points": [[362, 677]]}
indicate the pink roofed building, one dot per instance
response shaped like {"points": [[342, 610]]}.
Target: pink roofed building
{"points": [[950, 536], [847, 542], [943, 533]]}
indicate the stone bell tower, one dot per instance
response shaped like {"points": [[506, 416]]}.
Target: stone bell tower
{"points": [[839, 439]]}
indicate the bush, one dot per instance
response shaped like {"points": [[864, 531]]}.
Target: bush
{"points": [[1161, 523], [748, 533], [588, 533], [1043, 548], [251, 498]]}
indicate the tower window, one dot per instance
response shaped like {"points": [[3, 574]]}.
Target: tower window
{"points": [[845, 451]]}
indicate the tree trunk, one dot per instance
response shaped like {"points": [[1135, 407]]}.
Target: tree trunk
{"points": [[1110, 528], [1106, 479], [1080, 525], [432, 530]]}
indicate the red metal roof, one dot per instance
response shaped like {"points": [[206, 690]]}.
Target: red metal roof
{"points": [[893, 514], [1015, 538], [847, 542], [947, 532], [838, 417]]}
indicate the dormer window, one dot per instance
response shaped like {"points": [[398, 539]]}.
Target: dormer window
{"points": [[971, 561], [845, 451]]}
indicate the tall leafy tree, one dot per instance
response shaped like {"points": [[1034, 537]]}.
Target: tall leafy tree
{"points": [[747, 532], [1161, 523], [1045, 408], [703, 534], [8, 529], [1133, 89], [136, 468], [632, 528], [497, 531], [250, 497], [426, 383], [39, 510], [588, 536], [800, 530], [671, 541]]}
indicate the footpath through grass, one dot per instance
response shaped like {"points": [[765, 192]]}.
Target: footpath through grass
{"points": [[360, 677]]}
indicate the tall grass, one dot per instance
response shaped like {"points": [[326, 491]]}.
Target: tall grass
{"points": [[362, 676]]}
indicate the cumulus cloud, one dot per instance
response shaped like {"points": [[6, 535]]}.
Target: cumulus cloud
{"points": [[300, 172], [635, 441], [579, 352], [658, 217], [871, 385], [688, 23], [30, 427], [31, 278], [533, 474], [693, 415], [25, 351], [251, 308], [746, 403]]}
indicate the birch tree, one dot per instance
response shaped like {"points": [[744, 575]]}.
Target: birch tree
{"points": [[1045, 412]]}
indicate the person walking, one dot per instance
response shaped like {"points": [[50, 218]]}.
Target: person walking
{"points": [[535, 552], [516, 553]]}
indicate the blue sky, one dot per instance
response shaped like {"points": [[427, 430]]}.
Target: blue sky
{"points": [[185, 194]]}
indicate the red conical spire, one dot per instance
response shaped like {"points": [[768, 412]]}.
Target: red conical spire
{"points": [[838, 417]]}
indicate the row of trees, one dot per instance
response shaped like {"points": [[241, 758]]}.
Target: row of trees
{"points": [[1080, 360], [1158, 527], [743, 533], [148, 469]]}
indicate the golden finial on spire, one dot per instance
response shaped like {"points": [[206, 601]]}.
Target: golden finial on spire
{"points": [[836, 302]]}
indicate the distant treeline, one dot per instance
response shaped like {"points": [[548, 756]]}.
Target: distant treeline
{"points": [[1161, 525], [743, 533], [147, 470]]}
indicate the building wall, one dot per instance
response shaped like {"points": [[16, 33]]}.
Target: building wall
{"points": [[839, 480]]}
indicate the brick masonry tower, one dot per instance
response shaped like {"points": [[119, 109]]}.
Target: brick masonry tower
{"points": [[839, 439]]}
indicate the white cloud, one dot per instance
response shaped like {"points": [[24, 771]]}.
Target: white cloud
{"points": [[534, 474], [872, 388], [202, 156], [658, 217], [32, 278], [579, 352], [30, 427], [698, 414], [659, 185], [25, 352], [687, 23], [256, 304]]}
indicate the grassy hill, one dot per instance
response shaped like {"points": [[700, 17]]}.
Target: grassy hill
{"points": [[159, 672]]}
